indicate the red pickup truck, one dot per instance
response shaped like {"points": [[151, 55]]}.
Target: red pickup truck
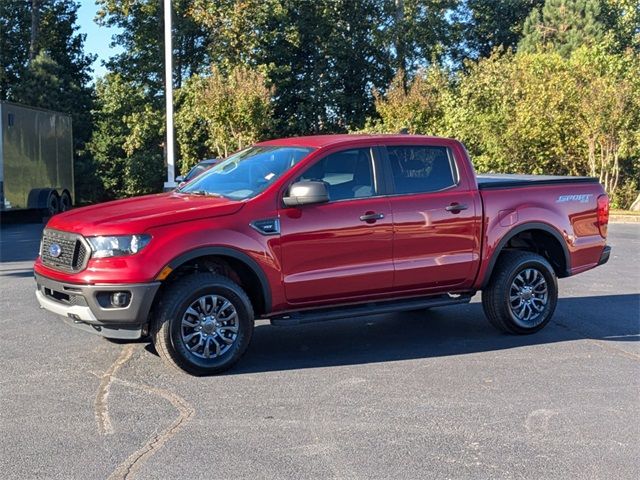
{"points": [[318, 228]]}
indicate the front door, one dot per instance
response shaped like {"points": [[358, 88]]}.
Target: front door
{"points": [[343, 248]]}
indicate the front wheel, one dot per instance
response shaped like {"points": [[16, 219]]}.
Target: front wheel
{"points": [[203, 324], [522, 293]]}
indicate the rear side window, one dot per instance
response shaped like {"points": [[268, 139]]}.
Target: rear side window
{"points": [[420, 169]]}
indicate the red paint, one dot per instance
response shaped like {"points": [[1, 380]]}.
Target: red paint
{"points": [[325, 254]]}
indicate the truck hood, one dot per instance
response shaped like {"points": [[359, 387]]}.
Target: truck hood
{"points": [[136, 215]]}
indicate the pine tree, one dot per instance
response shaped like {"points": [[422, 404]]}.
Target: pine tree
{"points": [[564, 25], [489, 24]]}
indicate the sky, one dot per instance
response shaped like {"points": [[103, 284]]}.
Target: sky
{"points": [[98, 38]]}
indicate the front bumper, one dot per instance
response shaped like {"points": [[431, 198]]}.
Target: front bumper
{"points": [[88, 307]]}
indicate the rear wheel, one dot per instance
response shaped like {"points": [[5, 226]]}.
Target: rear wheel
{"points": [[204, 324], [65, 201], [522, 293]]}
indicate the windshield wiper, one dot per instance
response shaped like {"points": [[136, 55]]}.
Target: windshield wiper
{"points": [[204, 193]]}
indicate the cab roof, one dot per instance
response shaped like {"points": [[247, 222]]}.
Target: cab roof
{"points": [[320, 141]]}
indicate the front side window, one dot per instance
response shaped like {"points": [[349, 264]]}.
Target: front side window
{"points": [[347, 174], [420, 169], [247, 173]]}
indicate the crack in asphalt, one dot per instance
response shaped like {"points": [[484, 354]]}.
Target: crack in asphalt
{"points": [[128, 468], [101, 406], [133, 463]]}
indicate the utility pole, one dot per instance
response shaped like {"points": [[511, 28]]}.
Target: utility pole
{"points": [[35, 25], [168, 85]]}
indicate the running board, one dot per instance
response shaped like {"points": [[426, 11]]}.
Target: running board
{"points": [[372, 308]]}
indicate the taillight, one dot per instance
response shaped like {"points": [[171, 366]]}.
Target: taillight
{"points": [[603, 215]]}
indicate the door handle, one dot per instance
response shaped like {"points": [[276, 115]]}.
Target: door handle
{"points": [[456, 207], [371, 217]]}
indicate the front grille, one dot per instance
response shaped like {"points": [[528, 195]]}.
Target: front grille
{"points": [[74, 252]]}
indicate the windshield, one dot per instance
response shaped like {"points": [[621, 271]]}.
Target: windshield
{"points": [[246, 173], [195, 171]]}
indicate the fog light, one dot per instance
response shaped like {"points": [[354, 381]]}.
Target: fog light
{"points": [[120, 299]]}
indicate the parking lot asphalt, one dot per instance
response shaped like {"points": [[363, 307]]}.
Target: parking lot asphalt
{"points": [[436, 394]]}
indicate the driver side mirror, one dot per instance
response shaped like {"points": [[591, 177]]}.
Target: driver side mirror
{"points": [[179, 179], [306, 193]]}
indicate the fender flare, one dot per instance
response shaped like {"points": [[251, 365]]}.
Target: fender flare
{"points": [[522, 228], [235, 254]]}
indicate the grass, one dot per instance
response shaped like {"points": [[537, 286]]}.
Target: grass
{"points": [[624, 212]]}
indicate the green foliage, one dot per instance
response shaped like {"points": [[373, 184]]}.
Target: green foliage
{"points": [[489, 24], [321, 58], [125, 141], [420, 108], [623, 20], [141, 26], [609, 110], [56, 77], [564, 25], [531, 86], [535, 113], [628, 193], [516, 113], [223, 113]]}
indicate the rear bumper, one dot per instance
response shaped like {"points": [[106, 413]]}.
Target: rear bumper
{"points": [[88, 306], [604, 256]]}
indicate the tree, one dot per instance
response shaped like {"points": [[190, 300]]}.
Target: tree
{"points": [[419, 32], [142, 59], [490, 24], [321, 58], [535, 113], [53, 72], [129, 137], [126, 140], [419, 107], [564, 25], [609, 112], [224, 113], [622, 17]]}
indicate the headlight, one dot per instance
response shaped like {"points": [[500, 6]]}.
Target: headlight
{"points": [[103, 247]]}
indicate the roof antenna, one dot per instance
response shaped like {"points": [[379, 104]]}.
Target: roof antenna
{"points": [[404, 131]]}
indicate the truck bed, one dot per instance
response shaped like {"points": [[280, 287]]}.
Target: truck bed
{"points": [[488, 181]]}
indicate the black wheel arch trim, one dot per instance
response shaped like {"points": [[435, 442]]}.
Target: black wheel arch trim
{"points": [[233, 253], [523, 228]]}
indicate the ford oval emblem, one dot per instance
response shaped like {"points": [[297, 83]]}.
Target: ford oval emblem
{"points": [[54, 250]]}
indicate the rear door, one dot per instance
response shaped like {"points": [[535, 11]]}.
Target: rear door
{"points": [[437, 215], [343, 248]]}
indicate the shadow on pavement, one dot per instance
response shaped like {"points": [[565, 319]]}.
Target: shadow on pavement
{"points": [[20, 242], [17, 273], [435, 333]]}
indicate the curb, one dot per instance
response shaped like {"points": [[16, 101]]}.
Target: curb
{"points": [[624, 219]]}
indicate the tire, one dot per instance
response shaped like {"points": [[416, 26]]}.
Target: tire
{"points": [[65, 201], [53, 204], [185, 329], [523, 284]]}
